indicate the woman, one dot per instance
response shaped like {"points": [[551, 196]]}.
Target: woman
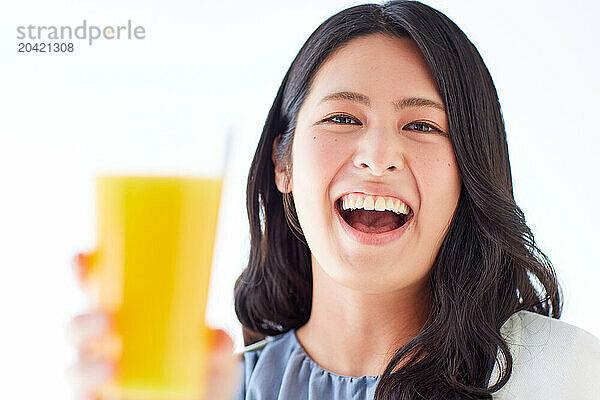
{"points": [[389, 259]]}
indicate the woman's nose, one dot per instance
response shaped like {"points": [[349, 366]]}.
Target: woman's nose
{"points": [[380, 151]]}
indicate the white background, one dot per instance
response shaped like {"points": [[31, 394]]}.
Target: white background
{"points": [[206, 67]]}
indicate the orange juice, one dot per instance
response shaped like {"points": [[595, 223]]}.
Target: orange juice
{"points": [[151, 271]]}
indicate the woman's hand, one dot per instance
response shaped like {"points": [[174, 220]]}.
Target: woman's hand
{"points": [[97, 351], [98, 348]]}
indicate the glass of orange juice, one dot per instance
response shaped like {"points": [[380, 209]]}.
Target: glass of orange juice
{"points": [[150, 270]]}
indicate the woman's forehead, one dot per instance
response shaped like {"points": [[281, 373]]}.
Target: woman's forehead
{"points": [[376, 65]]}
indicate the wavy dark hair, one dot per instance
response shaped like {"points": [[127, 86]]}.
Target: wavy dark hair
{"points": [[488, 266]]}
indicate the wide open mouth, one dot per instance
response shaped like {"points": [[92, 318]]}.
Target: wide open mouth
{"points": [[372, 221]]}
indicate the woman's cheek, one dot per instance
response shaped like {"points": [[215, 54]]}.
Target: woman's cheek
{"points": [[442, 190], [310, 165], [320, 152], [434, 166], [326, 142]]}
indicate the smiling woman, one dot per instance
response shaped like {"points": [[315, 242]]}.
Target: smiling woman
{"points": [[382, 154], [389, 259]]}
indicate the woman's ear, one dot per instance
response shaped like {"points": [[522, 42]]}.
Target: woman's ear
{"points": [[280, 171]]}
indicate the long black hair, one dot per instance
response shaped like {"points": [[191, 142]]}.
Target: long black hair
{"points": [[488, 266]]}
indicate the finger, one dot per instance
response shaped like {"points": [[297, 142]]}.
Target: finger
{"points": [[88, 396], [222, 367], [221, 341], [85, 326], [106, 347], [86, 378], [81, 264], [221, 352]]}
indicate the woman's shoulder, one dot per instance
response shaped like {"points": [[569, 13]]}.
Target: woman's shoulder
{"points": [[551, 359], [269, 356], [279, 345]]}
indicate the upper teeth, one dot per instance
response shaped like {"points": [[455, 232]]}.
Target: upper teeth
{"points": [[353, 201]]}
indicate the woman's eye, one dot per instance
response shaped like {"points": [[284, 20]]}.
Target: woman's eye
{"points": [[343, 120], [422, 127]]}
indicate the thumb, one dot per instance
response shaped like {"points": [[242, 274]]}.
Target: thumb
{"points": [[219, 339], [81, 266], [223, 375]]}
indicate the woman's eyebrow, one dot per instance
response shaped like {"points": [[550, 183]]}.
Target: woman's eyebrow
{"points": [[398, 104]]}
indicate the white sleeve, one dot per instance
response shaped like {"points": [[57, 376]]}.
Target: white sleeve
{"points": [[583, 369], [551, 360]]}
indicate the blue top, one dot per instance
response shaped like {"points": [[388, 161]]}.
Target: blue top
{"points": [[552, 360], [278, 368]]}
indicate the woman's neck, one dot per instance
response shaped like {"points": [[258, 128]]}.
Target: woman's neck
{"points": [[353, 333]]}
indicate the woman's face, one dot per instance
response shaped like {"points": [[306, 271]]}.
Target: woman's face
{"points": [[373, 123]]}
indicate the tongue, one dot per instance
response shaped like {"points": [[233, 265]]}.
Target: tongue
{"points": [[373, 221]]}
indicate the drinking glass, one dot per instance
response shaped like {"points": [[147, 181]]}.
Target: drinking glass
{"points": [[150, 270]]}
